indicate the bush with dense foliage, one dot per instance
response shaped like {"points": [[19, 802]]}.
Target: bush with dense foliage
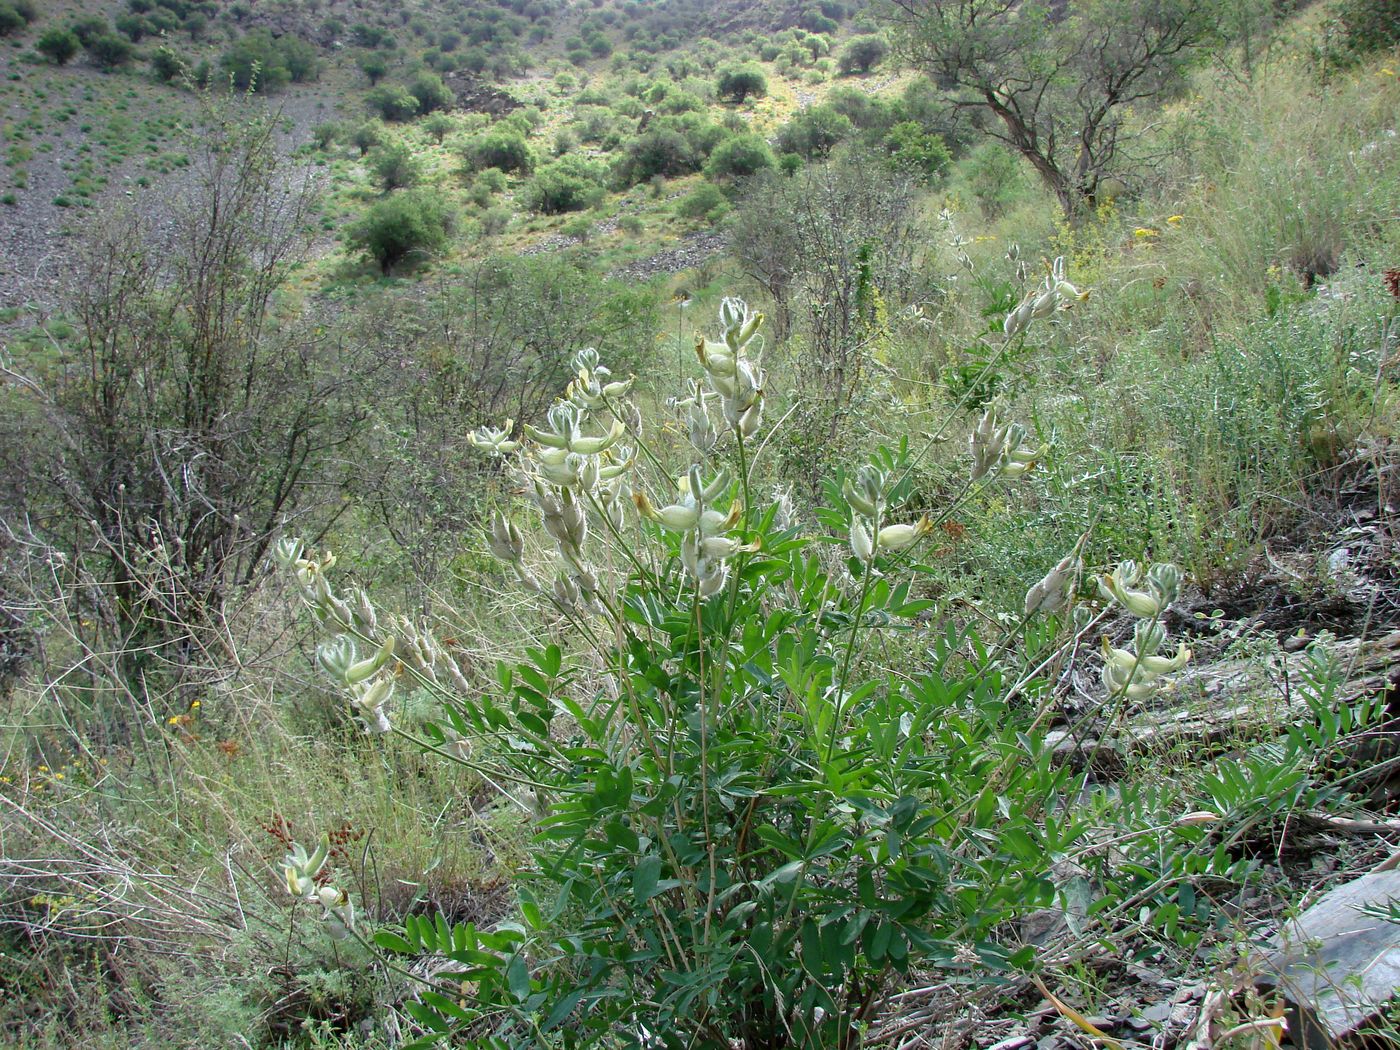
{"points": [[863, 53], [499, 148], [739, 157], [395, 166], [571, 183], [58, 45], [737, 83], [392, 102], [404, 226]]}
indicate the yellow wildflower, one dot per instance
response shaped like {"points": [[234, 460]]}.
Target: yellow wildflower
{"points": [[1144, 232], [1174, 220]]}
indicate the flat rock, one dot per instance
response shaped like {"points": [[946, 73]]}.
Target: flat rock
{"points": [[1336, 965]]}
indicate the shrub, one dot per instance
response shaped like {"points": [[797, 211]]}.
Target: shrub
{"points": [[89, 28], [660, 151], [324, 136], [58, 45], [501, 148], [367, 136], [438, 125], [254, 62], [11, 21], [374, 66], [109, 51], [995, 176], [394, 166], [915, 149], [738, 83], [167, 65], [432, 94], [1369, 25], [571, 183], [863, 53], [752, 817], [705, 202], [494, 220], [299, 57], [133, 27], [392, 102], [409, 224], [814, 132], [739, 157]]}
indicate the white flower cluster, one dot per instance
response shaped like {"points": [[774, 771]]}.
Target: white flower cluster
{"points": [[866, 498], [1136, 673], [299, 870], [578, 472], [1000, 448], [368, 681], [1055, 293]]}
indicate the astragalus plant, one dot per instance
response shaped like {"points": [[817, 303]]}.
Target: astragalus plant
{"points": [[749, 814]]}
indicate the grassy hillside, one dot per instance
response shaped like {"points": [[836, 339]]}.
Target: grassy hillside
{"points": [[1039, 630]]}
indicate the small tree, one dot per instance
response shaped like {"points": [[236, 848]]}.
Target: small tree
{"points": [[367, 136], [374, 66], [863, 53], [739, 157], [167, 65], [11, 21], [814, 132], [392, 102], [58, 45], [569, 184], [914, 148], [432, 94], [394, 166], [438, 125], [738, 83], [1057, 80], [503, 149], [109, 51], [405, 225]]}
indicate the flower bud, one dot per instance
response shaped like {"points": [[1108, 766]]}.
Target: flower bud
{"points": [[506, 541], [862, 546], [902, 537], [1053, 590]]}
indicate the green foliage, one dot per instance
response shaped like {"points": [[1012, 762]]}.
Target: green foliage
{"points": [[167, 65], [58, 45], [11, 21], [739, 157], [814, 132], [705, 202], [430, 91], [863, 53], [89, 27], [367, 136], [392, 102], [1368, 25], [404, 226], [754, 830], [995, 176], [738, 83], [571, 183], [914, 148], [438, 126], [108, 51], [374, 66], [259, 61], [660, 151], [1056, 83], [502, 149], [395, 166]]}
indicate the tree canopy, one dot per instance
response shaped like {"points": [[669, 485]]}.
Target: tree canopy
{"points": [[1057, 79]]}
